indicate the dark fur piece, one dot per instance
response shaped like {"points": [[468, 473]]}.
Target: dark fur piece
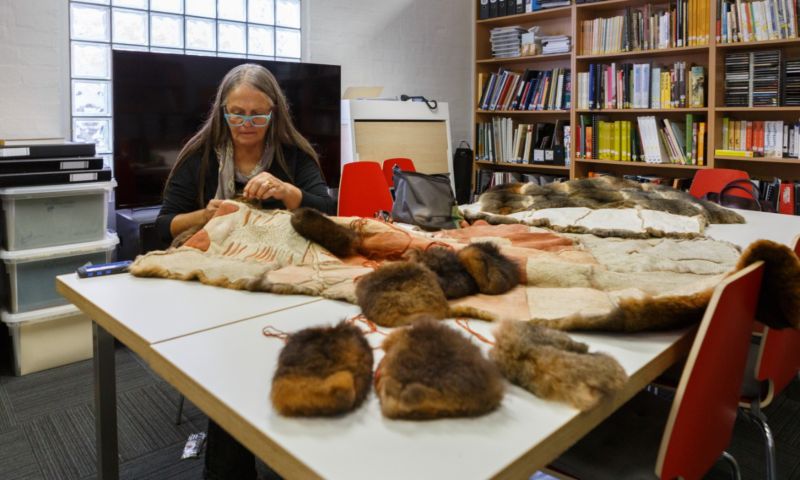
{"points": [[322, 371], [552, 366], [432, 371], [318, 228], [601, 192], [396, 293], [779, 301], [493, 272], [453, 277]]}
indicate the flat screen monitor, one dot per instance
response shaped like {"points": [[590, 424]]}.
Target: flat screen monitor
{"points": [[160, 101]]}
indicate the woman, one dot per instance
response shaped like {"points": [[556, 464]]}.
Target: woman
{"points": [[248, 146]]}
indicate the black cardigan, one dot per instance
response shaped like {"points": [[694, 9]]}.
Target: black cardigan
{"points": [[180, 195]]}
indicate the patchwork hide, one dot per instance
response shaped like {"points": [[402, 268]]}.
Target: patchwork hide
{"points": [[604, 206], [567, 282]]}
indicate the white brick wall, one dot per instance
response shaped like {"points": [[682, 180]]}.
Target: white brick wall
{"points": [[34, 69], [416, 47]]}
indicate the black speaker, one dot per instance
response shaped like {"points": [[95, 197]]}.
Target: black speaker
{"points": [[462, 172]]}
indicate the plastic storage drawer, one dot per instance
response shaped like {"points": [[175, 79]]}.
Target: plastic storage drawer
{"points": [[30, 275], [48, 338], [51, 215]]}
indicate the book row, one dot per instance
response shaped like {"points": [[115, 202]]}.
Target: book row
{"points": [[749, 21], [641, 85], [754, 79], [502, 8], [682, 23], [500, 141], [749, 139], [530, 90], [485, 179], [645, 140]]}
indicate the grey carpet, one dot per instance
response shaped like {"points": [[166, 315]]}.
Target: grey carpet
{"points": [[47, 426]]}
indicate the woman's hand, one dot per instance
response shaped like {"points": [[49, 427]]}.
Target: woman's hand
{"points": [[265, 185], [211, 208]]}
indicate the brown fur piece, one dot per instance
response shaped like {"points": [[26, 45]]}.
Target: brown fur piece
{"points": [[322, 371], [182, 237], [396, 293], [493, 272], [552, 366], [453, 277], [318, 228], [779, 301], [601, 192], [432, 371]]}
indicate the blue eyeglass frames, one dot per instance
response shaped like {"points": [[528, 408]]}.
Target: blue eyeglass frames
{"points": [[237, 120]]}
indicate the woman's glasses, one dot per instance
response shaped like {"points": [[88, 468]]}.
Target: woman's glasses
{"points": [[237, 120]]}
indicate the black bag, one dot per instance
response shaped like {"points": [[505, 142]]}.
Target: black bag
{"points": [[751, 202], [462, 172], [424, 200]]}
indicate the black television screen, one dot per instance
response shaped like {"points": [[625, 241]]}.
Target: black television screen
{"points": [[160, 101]]}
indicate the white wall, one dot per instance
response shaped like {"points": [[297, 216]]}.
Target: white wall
{"points": [[416, 47], [34, 69]]}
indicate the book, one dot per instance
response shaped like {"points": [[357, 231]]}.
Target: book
{"points": [[47, 150], [53, 178], [733, 153]]}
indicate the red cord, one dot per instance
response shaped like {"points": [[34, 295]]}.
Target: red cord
{"points": [[464, 323], [271, 332]]}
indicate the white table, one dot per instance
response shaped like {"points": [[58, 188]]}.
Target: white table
{"points": [[214, 353]]}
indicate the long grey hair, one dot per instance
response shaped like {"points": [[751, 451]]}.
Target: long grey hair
{"points": [[215, 131]]}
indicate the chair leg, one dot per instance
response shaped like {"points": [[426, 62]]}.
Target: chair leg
{"points": [[179, 416], [737, 475], [757, 416]]}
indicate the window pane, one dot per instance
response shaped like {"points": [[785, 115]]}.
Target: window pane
{"points": [[200, 53], [287, 42], [90, 98], [231, 10], [129, 48], [93, 130], [91, 60], [201, 8], [101, 2], [261, 11], [231, 37], [288, 13], [131, 3], [201, 34], [172, 6], [88, 22], [260, 40], [130, 26], [166, 30]]}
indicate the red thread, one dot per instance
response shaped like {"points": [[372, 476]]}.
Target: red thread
{"points": [[272, 332], [464, 323], [371, 327]]}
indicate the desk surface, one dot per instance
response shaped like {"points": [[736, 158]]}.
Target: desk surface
{"points": [[156, 309], [525, 433], [773, 226]]}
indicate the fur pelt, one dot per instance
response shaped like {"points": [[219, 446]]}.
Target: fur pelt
{"points": [[398, 292], [453, 277], [551, 365], [779, 302], [601, 192], [432, 371], [493, 272], [322, 371], [315, 226]]}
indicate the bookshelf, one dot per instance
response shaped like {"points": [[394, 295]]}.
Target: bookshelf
{"points": [[567, 21]]}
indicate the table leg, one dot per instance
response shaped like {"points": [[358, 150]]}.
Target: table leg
{"points": [[105, 404]]}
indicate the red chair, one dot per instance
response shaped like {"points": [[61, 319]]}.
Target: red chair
{"points": [[698, 426], [714, 179], [773, 363], [363, 190], [405, 164]]}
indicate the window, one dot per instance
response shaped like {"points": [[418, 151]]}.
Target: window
{"points": [[261, 29]]}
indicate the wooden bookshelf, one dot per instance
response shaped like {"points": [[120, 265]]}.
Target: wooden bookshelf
{"points": [[533, 167], [566, 21]]}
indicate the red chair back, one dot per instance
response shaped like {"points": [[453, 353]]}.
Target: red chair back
{"points": [[700, 423], [714, 179], [778, 355], [363, 190], [405, 164]]}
